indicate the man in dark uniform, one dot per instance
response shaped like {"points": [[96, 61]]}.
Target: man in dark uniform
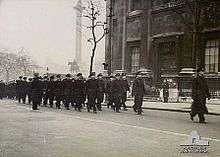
{"points": [[79, 91], [125, 87], [91, 92], [58, 91], [67, 91], [36, 88], [51, 90], [2, 89], [116, 92], [19, 89], [138, 92], [45, 94], [200, 92], [100, 92], [24, 88], [108, 92], [165, 91], [29, 93]]}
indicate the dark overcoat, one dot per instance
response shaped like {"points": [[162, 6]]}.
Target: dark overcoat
{"points": [[200, 92], [67, 88], [138, 87], [58, 89], [79, 90], [37, 89]]}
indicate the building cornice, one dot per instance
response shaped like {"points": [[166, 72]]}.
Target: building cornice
{"points": [[156, 10], [133, 39], [135, 13], [164, 35], [209, 30]]}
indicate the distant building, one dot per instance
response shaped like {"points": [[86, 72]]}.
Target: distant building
{"points": [[146, 34]]}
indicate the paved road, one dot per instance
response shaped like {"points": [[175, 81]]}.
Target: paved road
{"points": [[61, 133]]}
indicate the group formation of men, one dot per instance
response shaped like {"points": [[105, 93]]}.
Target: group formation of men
{"points": [[78, 92]]}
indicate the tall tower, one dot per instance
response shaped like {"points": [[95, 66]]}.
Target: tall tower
{"points": [[78, 33]]}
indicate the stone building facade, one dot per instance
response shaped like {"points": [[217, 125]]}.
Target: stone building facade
{"points": [[150, 34]]}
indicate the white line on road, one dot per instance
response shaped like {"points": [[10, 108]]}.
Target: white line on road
{"points": [[143, 128]]}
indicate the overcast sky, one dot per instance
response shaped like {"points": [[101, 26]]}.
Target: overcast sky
{"points": [[45, 28]]}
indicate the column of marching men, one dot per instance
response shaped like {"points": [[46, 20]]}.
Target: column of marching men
{"points": [[75, 92]]}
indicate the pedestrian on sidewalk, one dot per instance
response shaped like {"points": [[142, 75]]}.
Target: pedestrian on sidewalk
{"points": [[165, 91], [138, 92], [200, 92]]}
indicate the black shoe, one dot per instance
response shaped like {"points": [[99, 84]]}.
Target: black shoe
{"points": [[125, 109], [95, 112], [117, 111], [191, 117], [134, 109], [203, 122]]}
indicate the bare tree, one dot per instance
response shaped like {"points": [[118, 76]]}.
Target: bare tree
{"points": [[13, 65], [93, 13], [7, 64]]}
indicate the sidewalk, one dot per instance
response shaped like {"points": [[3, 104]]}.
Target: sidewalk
{"points": [[214, 109], [181, 100]]}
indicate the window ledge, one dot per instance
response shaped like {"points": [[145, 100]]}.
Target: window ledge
{"points": [[135, 13], [212, 75]]}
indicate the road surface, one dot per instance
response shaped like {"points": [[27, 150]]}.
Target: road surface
{"points": [[60, 133]]}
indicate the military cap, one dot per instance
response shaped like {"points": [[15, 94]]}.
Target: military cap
{"points": [[58, 76], [116, 75], [20, 77], [52, 77], [25, 78], [200, 69], [30, 79], [79, 74], [123, 74], [111, 76], [100, 74], [68, 75], [36, 74], [45, 76], [138, 73], [92, 74]]}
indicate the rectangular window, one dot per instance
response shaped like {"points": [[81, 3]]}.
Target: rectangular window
{"points": [[136, 5], [135, 59], [212, 56]]}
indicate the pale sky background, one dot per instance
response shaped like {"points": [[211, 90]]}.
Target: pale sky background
{"points": [[46, 29]]}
